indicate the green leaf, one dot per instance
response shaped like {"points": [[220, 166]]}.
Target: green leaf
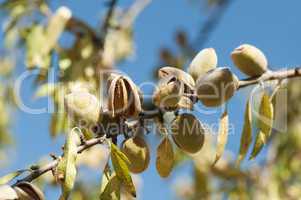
{"points": [[120, 164], [111, 189], [8, 177], [66, 168], [265, 123], [165, 158], [222, 137], [246, 136]]}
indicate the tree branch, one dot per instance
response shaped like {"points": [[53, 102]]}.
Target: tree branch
{"points": [[268, 76], [106, 24], [271, 75], [42, 170]]}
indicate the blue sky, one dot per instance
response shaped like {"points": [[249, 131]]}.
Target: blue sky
{"points": [[271, 25]]}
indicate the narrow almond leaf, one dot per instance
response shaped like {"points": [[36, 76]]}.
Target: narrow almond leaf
{"points": [[120, 164], [265, 124], [246, 136], [35, 41], [8, 177], [111, 189], [165, 158], [56, 27], [44, 90], [222, 137], [7, 192], [66, 168]]}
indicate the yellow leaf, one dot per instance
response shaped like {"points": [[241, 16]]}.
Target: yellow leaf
{"points": [[265, 124], [120, 164], [165, 158], [246, 136], [222, 137]]}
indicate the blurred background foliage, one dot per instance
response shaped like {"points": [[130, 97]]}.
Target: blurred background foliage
{"points": [[31, 26]]}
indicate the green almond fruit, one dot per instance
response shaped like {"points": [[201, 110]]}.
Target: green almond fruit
{"points": [[203, 62], [250, 60], [188, 133], [138, 153], [216, 87]]}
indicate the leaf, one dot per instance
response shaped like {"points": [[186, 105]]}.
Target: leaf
{"points": [[165, 158], [8, 177], [246, 136], [55, 27], [120, 164], [222, 137], [265, 124], [7, 192], [44, 90], [111, 190], [66, 168], [35, 43]]}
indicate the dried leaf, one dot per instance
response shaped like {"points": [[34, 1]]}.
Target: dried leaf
{"points": [[66, 168], [246, 136], [222, 137], [120, 164], [265, 123], [165, 158], [7, 192], [8, 177]]}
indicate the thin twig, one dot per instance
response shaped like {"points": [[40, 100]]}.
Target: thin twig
{"points": [[106, 24], [211, 23], [77, 26], [268, 76], [42, 170]]}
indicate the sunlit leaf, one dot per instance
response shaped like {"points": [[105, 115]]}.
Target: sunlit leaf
{"points": [[66, 168], [246, 136], [35, 43], [55, 27], [44, 90], [120, 164], [165, 158], [265, 123], [111, 190], [8, 177], [7, 192], [222, 137]]}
